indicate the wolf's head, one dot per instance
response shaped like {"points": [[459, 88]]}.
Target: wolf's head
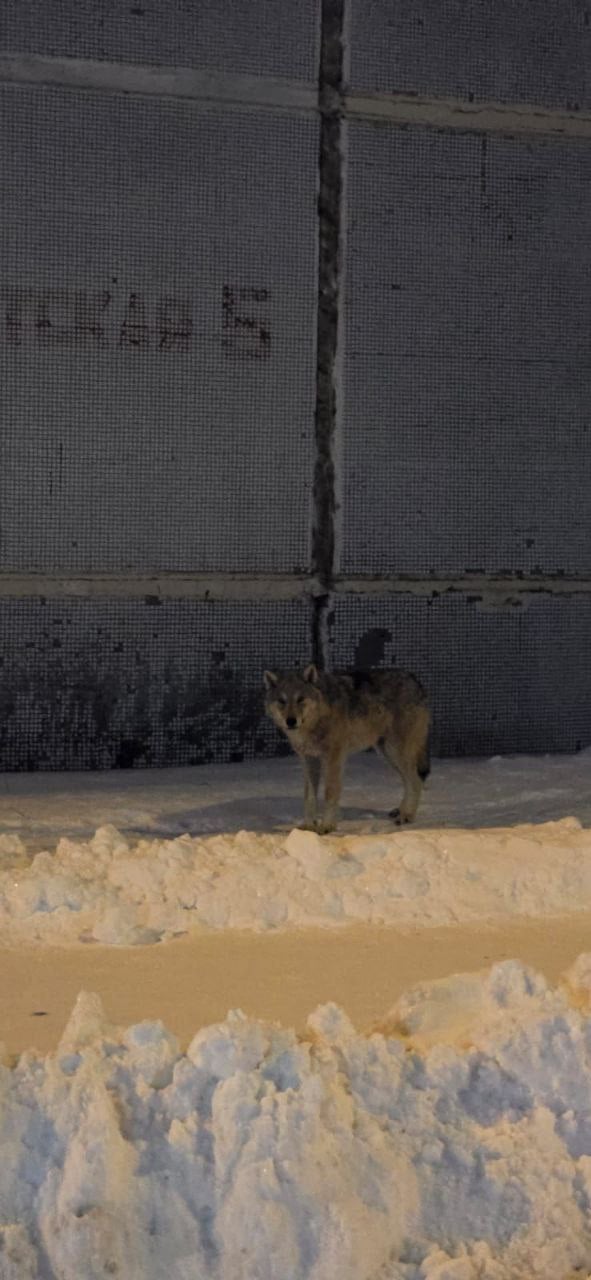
{"points": [[293, 699]]}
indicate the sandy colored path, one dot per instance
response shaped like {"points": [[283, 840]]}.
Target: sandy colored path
{"points": [[193, 981]]}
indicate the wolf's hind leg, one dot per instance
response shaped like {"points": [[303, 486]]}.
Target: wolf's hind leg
{"points": [[406, 749]]}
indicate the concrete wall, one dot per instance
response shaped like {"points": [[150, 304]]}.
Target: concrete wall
{"points": [[295, 362]]}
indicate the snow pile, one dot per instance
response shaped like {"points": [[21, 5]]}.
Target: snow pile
{"points": [[110, 890], [459, 1152]]}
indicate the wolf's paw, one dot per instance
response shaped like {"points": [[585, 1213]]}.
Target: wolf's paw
{"points": [[307, 826], [325, 828], [399, 817]]}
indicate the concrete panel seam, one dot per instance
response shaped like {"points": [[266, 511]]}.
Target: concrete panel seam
{"points": [[458, 114], [265, 92], [486, 593], [330, 225], [156, 587], [179, 585], [223, 88]]}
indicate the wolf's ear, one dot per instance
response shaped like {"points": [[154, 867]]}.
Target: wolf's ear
{"points": [[311, 674], [271, 679]]}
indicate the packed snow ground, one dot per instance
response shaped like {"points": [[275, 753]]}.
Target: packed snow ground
{"points": [[266, 795], [453, 1143], [165, 869]]}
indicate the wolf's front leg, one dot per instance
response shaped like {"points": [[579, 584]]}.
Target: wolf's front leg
{"points": [[312, 767], [332, 792]]}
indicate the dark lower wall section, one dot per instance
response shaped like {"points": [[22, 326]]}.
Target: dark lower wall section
{"points": [[501, 680], [95, 684], [116, 684]]}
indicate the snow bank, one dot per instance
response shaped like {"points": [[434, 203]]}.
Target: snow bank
{"points": [[111, 890], [462, 1152]]}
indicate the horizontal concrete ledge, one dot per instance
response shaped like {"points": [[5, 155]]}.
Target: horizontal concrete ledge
{"points": [[249, 92], [486, 593], [209, 87], [482, 117], [153, 587], [375, 584]]}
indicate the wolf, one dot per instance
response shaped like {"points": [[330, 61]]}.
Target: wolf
{"points": [[327, 717]]}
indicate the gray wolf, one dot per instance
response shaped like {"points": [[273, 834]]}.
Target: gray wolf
{"points": [[327, 717]]}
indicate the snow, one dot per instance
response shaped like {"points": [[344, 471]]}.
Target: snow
{"points": [[107, 891], [453, 1143], [450, 1142], [110, 891], [165, 870], [267, 795]]}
